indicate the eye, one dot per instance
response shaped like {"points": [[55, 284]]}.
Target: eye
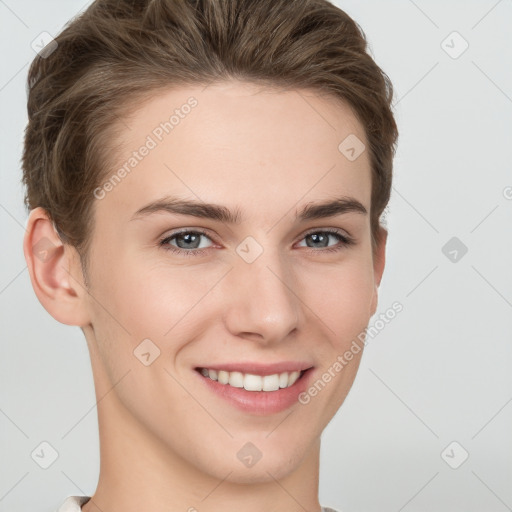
{"points": [[188, 242], [320, 239]]}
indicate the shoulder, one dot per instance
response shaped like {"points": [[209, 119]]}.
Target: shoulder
{"points": [[74, 503]]}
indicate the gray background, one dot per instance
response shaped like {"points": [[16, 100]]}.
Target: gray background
{"points": [[439, 372]]}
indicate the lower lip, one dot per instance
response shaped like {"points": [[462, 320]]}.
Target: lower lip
{"points": [[260, 402]]}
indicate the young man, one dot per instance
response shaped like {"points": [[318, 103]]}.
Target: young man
{"points": [[205, 180]]}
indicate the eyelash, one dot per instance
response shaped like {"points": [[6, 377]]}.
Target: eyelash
{"points": [[345, 242]]}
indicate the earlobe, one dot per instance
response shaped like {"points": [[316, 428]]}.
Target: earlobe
{"points": [[54, 271]]}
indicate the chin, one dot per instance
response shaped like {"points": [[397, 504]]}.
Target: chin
{"points": [[264, 466]]}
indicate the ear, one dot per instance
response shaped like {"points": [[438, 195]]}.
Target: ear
{"points": [[379, 261], [55, 271]]}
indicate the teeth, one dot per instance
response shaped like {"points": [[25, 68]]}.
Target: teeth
{"points": [[223, 377], [236, 379], [252, 382], [270, 383]]}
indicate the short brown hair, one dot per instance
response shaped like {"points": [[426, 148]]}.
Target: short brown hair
{"points": [[118, 52]]}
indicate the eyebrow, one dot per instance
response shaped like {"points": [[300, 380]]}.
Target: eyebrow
{"points": [[220, 213]]}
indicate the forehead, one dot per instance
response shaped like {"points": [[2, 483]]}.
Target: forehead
{"points": [[238, 144]]}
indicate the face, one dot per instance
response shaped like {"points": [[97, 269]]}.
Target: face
{"points": [[209, 253]]}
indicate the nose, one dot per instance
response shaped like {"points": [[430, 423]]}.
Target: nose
{"points": [[263, 303]]}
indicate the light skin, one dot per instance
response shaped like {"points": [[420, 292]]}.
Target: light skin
{"points": [[167, 443]]}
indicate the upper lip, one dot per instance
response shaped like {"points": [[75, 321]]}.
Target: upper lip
{"points": [[260, 368]]}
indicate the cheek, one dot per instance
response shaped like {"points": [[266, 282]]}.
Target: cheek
{"points": [[148, 301], [342, 297]]}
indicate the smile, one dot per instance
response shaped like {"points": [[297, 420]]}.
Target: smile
{"points": [[252, 382]]}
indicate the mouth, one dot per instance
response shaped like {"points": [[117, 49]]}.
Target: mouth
{"points": [[253, 382], [254, 393]]}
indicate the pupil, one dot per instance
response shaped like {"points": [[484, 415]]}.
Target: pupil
{"points": [[318, 238], [189, 238]]}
